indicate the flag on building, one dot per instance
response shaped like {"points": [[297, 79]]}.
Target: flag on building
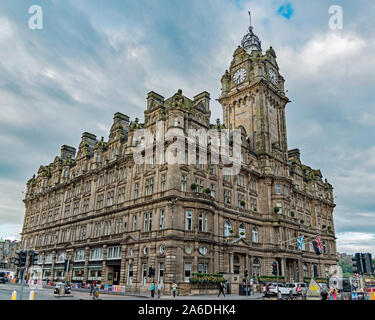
{"points": [[318, 245], [300, 242]]}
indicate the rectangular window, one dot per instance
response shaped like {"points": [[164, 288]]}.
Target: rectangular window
{"points": [[278, 188], [67, 211], [187, 272], [110, 198], [149, 186], [107, 228], [144, 274], [96, 254], [122, 173], [76, 208], [227, 196], [200, 221], [240, 180], [114, 252], [183, 182], [73, 234], [147, 222], [136, 191], [121, 194], [161, 272], [118, 226], [212, 190], [163, 180], [134, 222], [79, 255], [161, 219], [188, 220]]}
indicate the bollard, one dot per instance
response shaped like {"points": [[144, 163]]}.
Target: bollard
{"points": [[31, 295], [14, 295]]}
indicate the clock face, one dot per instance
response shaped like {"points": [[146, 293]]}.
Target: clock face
{"points": [[239, 76], [273, 76]]}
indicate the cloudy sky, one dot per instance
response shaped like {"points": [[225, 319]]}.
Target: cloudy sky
{"points": [[94, 58]]}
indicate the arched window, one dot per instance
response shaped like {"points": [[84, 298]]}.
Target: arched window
{"points": [[242, 231], [227, 228], [255, 234]]}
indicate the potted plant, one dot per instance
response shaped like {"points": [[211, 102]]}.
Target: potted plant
{"points": [[292, 213], [242, 233], [255, 209], [243, 203], [329, 228], [323, 226], [207, 191], [276, 209], [302, 221], [228, 201], [231, 230], [193, 186]]}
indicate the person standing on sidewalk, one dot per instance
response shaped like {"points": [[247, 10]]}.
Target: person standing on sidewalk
{"points": [[160, 287], [251, 286], [221, 289], [174, 289], [152, 288]]}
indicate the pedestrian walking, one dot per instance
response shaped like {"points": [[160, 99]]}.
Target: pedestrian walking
{"points": [[92, 287], [152, 288], [251, 286], [160, 287], [299, 292], [174, 289], [221, 289]]}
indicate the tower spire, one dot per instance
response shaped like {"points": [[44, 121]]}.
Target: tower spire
{"points": [[251, 41]]}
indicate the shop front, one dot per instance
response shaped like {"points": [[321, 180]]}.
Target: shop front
{"points": [[46, 274], [77, 274], [59, 273], [94, 274], [113, 272]]}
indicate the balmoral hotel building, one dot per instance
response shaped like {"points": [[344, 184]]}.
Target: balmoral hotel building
{"points": [[116, 219]]}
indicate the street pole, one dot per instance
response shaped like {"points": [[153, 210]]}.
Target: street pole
{"points": [[23, 273], [277, 278]]}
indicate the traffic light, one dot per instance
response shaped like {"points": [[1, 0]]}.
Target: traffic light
{"points": [[274, 268], [21, 256], [34, 257], [357, 264], [367, 263], [246, 273]]}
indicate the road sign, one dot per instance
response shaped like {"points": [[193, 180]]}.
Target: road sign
{"points": [[313, 292]]}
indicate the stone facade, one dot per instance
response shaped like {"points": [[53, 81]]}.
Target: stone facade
{"points": [[116, 219], [8, 250]]}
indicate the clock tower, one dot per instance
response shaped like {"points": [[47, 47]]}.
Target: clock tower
{"points": [[253, 97]]}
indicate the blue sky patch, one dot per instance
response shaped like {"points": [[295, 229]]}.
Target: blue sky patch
{"points": [[286, 10]]}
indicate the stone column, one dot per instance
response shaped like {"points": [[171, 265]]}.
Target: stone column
{"points": [[69, 276], [231, 262], [53, 264], [85, 268], [123, 266], [104, 279], [300, 270], [283, 267]]}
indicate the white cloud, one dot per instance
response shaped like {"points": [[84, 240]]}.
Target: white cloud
{"points": [[353, 242]]}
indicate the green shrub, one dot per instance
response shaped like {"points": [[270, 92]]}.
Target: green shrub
{"points": [[193, 186], [276, 209]]}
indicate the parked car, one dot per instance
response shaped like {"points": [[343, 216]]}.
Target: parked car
{"points": [[272, 289], [3, 278], [293, 287], [66, 285]]}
